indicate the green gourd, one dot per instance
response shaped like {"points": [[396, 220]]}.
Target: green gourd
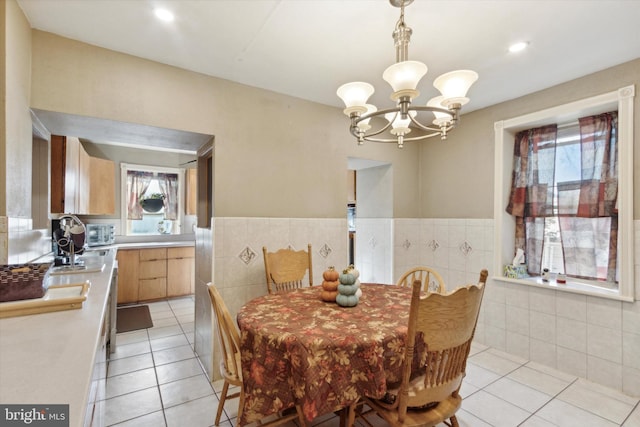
{"points": [[347, 300], [347, 278], [347, 289]]}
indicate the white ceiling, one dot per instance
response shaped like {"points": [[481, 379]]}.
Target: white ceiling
{"points": [[308, 48]]}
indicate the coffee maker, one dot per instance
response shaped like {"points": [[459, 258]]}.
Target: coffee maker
{"points": [[67, 239]]}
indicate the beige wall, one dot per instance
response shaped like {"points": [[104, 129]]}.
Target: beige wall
{"points": [[15, 138], [276, 156], [449, 193]]}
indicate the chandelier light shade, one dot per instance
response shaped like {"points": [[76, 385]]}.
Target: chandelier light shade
{"points": [[404, 77]]}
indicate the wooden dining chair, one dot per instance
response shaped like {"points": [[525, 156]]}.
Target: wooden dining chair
{"points": [[431, 280], [441, 325], [230, 367], [285, 269]]}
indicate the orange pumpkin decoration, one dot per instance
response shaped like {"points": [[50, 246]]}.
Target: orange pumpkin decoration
{"points": [[330, 274], [330, 286], [329, 296]]}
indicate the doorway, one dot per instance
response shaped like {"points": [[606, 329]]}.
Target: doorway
{"points": [[372, 232]]}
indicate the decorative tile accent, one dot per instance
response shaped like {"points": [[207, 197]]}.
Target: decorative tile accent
{"points": [[406, 244], [465, 248], [373, 242], [247, 255], [434, 245], [325, 251]]}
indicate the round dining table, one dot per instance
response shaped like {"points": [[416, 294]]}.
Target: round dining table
{"points": [[299, 350]]}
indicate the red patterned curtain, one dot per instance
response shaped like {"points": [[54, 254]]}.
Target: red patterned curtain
{"points": [[137, 184], [586, 209], [532, 190], [589, 220]]}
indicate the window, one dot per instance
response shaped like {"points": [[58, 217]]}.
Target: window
{"points": [[563, 196], [505, 225], [152, 202]]}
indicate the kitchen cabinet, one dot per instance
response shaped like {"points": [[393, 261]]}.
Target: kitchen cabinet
{"points": [[80, 184], [152, 277], [180, 271], [156, 273], [102, 184], [128, 275]]}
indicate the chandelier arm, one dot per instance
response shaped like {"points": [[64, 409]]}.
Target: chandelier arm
{"points": [[395, 140]]}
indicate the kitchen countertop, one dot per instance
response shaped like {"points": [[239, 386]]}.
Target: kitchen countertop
{"points": [[49, 358]]}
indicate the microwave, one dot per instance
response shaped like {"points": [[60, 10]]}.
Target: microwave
{"points": [[100, 234]]}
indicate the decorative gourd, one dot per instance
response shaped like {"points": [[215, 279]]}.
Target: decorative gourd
{"points": [[330, 286], [347, 278], [347, 300], [351, 269], [331, 274], [355, 274], [346, 290], [329, 296]]}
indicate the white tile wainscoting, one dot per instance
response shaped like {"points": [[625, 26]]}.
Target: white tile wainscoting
{"points": [[589, 337]]}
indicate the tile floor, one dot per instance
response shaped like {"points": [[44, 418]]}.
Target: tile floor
{"points": [[155, 380]]}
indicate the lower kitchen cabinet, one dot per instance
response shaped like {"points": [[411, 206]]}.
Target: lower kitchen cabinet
{"points": [[152, 277], [150, 274], [128, 261], [180, 271]]}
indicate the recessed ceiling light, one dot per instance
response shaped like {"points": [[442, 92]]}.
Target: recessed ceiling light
{"points": [[517, 47], [164, 15]]}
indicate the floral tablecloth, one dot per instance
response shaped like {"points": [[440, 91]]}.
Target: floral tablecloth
{"points": [[297, 349]]}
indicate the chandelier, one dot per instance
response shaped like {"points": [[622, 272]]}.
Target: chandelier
{"points": [[404, 76]]}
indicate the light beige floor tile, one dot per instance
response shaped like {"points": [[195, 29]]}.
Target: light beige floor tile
{"points": [[166, 321], [520, 395], [158, 306], [132, 405], [566, 415], [495, 363], [164, 331], [538, 380], [128, 350], [476, 347], [584, 395], [188, 328], [131, 337], [183, 311], [195, 413], [185, 318], [178, 370], [130, 382], [550, 371], [501, 354], [467, 389], [634, 418], [161, 314], [174, 354], [130, 364], [154, 419], [535, 421], [168, 342], [465, 419], [494, 410], [479, 376], [182, 391]]}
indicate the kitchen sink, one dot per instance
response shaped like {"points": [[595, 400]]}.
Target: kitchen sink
{"points": [[76, 269]]}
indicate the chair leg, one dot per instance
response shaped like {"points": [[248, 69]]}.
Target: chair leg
{"points": [[225, 388], [454, 421], [351, 414], [301, 420]]}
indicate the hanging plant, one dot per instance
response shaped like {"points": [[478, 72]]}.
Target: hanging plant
{"points": [[153, 202]]}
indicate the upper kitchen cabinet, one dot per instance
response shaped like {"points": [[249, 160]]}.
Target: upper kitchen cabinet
{"points": [[80, 184]]}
